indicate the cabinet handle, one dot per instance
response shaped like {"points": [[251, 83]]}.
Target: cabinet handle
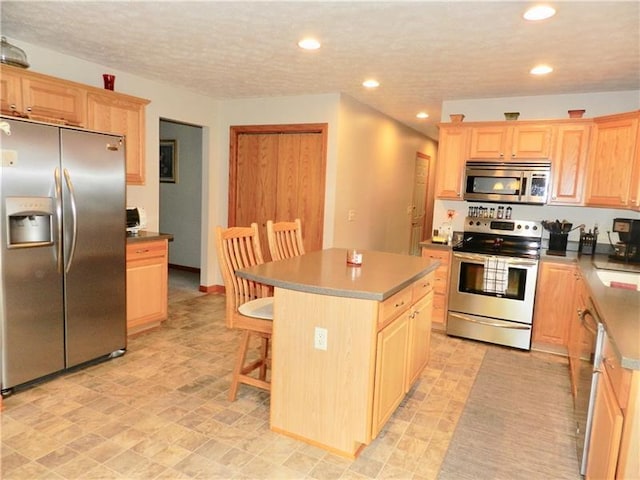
{"points": [[142, 251], [606, 361], [13, 107], [28, 109], [399, 304]]}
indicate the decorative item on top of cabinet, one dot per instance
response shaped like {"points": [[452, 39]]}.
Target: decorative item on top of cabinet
{"points": [[441, 285], [553, 313], [147, 284], [612, 158], [508, 141], [452, 155], [569, 163]]}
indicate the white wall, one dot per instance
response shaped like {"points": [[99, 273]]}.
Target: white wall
{"points": [[542, 107], [375, 178], [181, 202]]}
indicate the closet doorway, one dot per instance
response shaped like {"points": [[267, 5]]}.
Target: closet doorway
{"points": [[277, 172]]}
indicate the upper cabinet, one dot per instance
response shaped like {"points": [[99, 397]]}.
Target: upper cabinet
{"points": [[508, 142], [122, 114], [452, 154], [40, 97], [569, 163], [612, 162]]}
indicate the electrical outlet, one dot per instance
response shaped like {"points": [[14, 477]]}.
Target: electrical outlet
{"points": [[320, 338]]}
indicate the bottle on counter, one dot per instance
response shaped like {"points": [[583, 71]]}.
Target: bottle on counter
{"points": [[508, 214], [500, 211]]}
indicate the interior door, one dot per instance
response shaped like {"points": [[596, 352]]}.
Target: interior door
{"points": [[278, 173], [420, 183]]}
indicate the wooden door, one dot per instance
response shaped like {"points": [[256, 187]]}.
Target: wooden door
{"points": [[418, 210], [277, 173]]}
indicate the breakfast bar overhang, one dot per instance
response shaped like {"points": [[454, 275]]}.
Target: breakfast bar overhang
{"points": [[348, 342]]}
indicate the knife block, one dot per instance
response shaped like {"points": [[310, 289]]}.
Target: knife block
{"points": [[558, 243]]}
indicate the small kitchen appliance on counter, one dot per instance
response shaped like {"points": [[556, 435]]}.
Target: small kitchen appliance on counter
{"points": [[136, 220], [628, 248]]}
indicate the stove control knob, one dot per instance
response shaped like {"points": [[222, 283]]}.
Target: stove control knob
{"points": [[519, 227], [471, 223], [526, 227], [535, 227], [477, 224]]}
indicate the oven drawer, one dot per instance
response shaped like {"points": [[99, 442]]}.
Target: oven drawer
{"points": [[491, 330]]}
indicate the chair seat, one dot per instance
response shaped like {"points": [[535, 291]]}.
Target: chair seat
{"points": [[258, 308]]}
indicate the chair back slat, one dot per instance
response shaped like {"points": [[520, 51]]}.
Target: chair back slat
{"points": [[285, 239], [237, 248]]}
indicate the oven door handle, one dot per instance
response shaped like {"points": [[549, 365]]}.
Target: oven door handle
{"points": [[490, 324], [481, 259]]}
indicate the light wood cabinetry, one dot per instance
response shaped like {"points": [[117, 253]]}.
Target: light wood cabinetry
{"points": [[552, 312], [634, 194], [124, 115], [375, 352], [452, 154], [611, 161], [505, 141], [569, 163], [579, 348], [147, 281], [440, 285], [41, 97]]}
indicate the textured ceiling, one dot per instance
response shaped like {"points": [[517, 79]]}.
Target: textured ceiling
{"points": [[422, 52]]}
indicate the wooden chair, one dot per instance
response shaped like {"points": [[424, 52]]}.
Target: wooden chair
{"points": [[248, 304], [285, 239]]}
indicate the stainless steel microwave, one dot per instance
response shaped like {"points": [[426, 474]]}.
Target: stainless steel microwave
{"points": [[507, 182]]}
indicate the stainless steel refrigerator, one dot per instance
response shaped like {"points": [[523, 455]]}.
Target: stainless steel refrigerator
{"points": [[62, 257]]}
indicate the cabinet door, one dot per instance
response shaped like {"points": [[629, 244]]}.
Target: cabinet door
{"points": [[606, 432], [611, 161], [530, 142], [10, 92], [54, 100], [452, 154], [146, 284], [113, 113], [553, 313], [574, 342], [634, 194], [569, 164], [419, 338], [489, 143], [391, 361]]}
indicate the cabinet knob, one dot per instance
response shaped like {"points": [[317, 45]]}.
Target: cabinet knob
{"points": [[13, 107]]}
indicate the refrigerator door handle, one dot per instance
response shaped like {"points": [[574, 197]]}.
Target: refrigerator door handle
{"points": [[74, 215], [58, 183]]}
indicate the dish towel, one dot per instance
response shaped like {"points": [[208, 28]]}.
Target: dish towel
{"points": [[496, 275]]}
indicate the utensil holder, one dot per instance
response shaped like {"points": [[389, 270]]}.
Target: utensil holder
{"points": [[558, 242], [587, 245]]}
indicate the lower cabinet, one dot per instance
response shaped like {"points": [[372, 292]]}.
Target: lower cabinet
{"points": [[553, 312], [147, 280], [440, 285]]}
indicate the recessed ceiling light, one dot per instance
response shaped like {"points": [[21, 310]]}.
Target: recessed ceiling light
{"points": [[541, 70], [309, 44], [371, 83], [539, 12], [422, 115]]}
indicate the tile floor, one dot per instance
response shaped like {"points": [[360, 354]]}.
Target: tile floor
{"points": [[161, 412]]}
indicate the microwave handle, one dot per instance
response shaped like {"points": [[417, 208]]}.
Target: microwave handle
{"points": [[523, 185], [519, 262]]}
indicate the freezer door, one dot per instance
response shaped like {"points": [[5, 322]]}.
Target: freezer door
{"points": [[93, 166], [31, 318]]}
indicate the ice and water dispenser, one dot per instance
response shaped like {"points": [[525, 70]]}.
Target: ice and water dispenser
{"points": [[30, 221]]}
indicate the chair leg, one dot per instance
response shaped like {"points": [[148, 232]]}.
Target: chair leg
{"points": [[264, 352], [237, 370]]}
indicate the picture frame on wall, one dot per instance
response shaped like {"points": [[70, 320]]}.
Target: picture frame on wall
{"points": [[169, 161]]}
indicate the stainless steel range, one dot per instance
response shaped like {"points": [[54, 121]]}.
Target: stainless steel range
{"points": [[493, 280]]}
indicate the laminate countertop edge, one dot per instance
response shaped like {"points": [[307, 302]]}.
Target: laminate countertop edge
{"points": [[618, 308], [144, 236]]}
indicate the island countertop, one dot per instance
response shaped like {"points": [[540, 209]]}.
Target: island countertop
{"points": [[325, 272]]}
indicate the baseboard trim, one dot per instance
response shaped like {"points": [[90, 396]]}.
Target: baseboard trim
{"points": [[184, 268]]}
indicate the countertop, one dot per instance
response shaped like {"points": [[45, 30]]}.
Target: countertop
{"points": [[144, 236], [325, 272]]}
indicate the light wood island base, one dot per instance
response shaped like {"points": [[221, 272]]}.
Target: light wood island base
{"points": [[377, 322]]}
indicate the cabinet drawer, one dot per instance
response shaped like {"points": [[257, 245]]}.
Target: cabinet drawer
{"points": [[620, 377], [442, 255], [441, 280], [394, 306], [142, 250], [422, 286]]}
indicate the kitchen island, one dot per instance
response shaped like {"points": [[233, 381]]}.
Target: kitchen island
{"points": [[348, 342]]}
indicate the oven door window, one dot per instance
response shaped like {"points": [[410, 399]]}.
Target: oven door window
{"points": [[471, 280], [497, 185]]}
